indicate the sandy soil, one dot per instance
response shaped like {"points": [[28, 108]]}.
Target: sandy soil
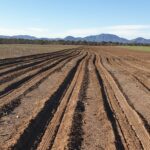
{"points": [[80, 98]]}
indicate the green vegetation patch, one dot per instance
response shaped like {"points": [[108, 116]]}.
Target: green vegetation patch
{"points": [[138, 48]]}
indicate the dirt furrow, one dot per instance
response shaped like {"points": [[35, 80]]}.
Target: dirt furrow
{"points": [[138, 88], [76, 132], [143, 80], [29, 64], [97, 129], [139, 66], [89, 98], [131, 125], [23, 70], [11, 63], [16, 82], [118, 141], [51, 131], [141, 77], [13, 100], [10, 86], [67, 120], [31, 58], [31, 103], [34, 131], [15, 60], [24, 78], [25, 62]]}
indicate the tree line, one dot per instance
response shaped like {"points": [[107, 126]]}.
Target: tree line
{"points": [[64, 42]]}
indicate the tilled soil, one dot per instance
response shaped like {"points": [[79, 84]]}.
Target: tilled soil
{"points": [[88, 98]]}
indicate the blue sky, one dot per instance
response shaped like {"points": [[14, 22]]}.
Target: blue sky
{"points": [[59, 18]]}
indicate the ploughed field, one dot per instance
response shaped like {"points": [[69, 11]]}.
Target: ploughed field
{"points": [[88, 98]]}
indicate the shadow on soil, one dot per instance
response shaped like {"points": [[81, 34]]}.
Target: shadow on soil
{"points": [[34, 132], [118, 142], [76, 135]]}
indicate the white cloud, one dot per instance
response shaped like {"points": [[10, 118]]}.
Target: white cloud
{"points": [[129, 27], [24, 31], [126, 31]]}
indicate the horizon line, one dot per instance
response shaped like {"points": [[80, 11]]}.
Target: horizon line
{"points": [[41, 37]]}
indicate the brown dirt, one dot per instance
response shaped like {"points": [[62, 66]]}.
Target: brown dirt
{"points": [[83, 98], [18, 50]]}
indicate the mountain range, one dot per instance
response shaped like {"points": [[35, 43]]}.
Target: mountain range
{"points": [[92, 38]]}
